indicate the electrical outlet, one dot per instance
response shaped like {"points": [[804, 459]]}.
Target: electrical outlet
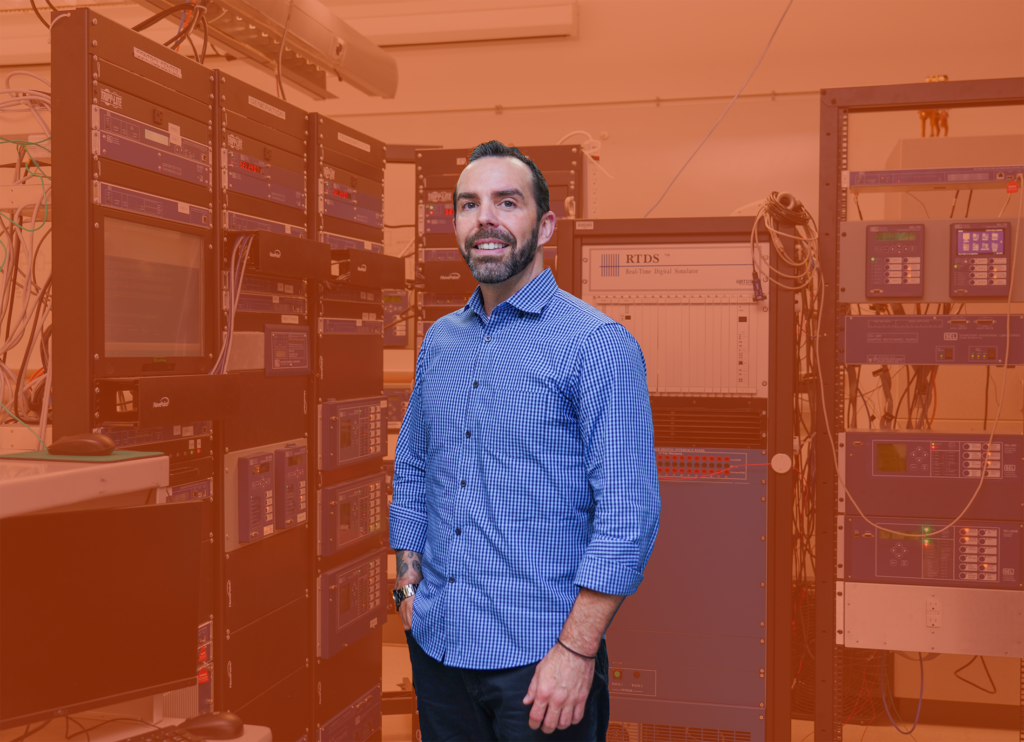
{"points": [[933, 613], [932, 605]]}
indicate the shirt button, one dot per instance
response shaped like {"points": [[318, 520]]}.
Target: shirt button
{"points": [[468, 434], [476, 384], [487, 339], [458, 531], [451, 579], [463, 482]]}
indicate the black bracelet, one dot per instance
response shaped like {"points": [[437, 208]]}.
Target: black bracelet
{"points": [[584, 656]]}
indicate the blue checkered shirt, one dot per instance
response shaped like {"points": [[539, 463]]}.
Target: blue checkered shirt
{"points": [[524, 471]]}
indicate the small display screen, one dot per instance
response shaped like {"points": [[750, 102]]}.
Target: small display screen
{"points": [[341, 194], [895, 236], [251, 167], [890, 457], [261, 468], [980, 242], [345, 434], [395, 299], [345, 517], [296, 460], [152, 291]]}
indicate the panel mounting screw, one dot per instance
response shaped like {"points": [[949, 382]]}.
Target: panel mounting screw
{"points": [[96, 415], [95, 225], [95, 356], [94, 21], [95, 43]]}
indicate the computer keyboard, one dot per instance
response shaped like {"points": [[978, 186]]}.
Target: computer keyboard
{"points": [[166, 734]]}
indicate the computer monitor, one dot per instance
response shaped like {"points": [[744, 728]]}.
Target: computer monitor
{"points": [[153, 291], [96, 607]]}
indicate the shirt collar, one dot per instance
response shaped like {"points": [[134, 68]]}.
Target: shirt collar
{"points": [[531, 298]]}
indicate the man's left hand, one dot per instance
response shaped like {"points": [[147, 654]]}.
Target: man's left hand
{"points": [[559, 690]]}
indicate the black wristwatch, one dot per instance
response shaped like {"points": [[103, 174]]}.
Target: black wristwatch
{"points": [[406, 591]]}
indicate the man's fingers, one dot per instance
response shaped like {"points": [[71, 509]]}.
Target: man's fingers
{"points": [[581, 708], [551, 719], [537, 715], [565, 719], [530, 693]]}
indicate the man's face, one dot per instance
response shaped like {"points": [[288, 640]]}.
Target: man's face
{"points": [[496, 220]]}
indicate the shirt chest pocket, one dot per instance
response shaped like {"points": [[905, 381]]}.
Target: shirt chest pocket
{"points": [[528, 421]]}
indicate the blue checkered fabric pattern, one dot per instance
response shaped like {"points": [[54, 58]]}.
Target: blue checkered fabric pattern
{"points": [[524, 471]]}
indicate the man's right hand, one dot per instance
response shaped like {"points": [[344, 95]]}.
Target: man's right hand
{"points": [[410, 571], [405, 612]]}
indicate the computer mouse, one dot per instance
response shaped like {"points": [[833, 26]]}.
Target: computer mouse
{"points": [[85, 444], [218, 725]]}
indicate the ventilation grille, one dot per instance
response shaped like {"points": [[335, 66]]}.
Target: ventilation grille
{"points": [[710, 422], [631, 732], [182, 703]]}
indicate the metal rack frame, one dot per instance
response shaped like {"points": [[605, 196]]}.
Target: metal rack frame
{"points": [[836, 106]]}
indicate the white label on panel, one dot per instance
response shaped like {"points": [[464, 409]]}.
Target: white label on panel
{"points": [[272, 110], [160, 64], [353, 142]]}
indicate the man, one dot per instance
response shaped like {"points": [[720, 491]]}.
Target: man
{"points": [[525, 495]]}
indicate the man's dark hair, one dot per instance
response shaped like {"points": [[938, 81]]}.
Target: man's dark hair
{"points": [[494, 148]]}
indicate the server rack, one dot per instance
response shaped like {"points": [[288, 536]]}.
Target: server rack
{"points": [[732, 476], [831, 531]]}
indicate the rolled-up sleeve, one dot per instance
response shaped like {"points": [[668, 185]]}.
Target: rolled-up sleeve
{"points": [[407, 518], [617, 433]]}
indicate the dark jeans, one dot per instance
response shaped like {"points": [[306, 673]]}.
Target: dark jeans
{"points": [[458, 705]]}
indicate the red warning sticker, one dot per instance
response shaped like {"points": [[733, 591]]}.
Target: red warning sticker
{"points": [[1011, 186], [204, 676]]}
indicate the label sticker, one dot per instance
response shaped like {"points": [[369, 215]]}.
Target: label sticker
{"points": [[273, 111], [584, 225], [175, 132], [160, 64], [234, 141], [182, 207], [329, 172], [353, 143], [289, 319], [460, 160], [187, 430]]}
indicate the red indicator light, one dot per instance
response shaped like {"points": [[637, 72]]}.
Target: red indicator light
{"points": [[250, 166]]}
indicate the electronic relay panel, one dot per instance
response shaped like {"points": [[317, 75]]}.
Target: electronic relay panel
{"points": [[915, 473], [933, 339], [350, 512], [255, 497], [351, 431], [894, 256], [291, 505], [359, 721], [956, 260], [286, 350], [692, 309], [180, 443], [350, 602], [979, 257], [257, 493], [973, 553]]}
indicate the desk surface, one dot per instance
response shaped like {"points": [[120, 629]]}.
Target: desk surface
{"points": [[115, 730], [30, 486]]}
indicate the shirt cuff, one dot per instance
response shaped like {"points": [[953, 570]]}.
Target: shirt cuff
{"points": [[407, 529], [604, 576]]}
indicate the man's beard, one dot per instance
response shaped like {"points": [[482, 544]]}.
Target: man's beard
{"points": [[486, 269]]}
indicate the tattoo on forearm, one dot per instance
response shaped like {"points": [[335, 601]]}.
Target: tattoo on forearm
{"points": [[409, 566]]}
